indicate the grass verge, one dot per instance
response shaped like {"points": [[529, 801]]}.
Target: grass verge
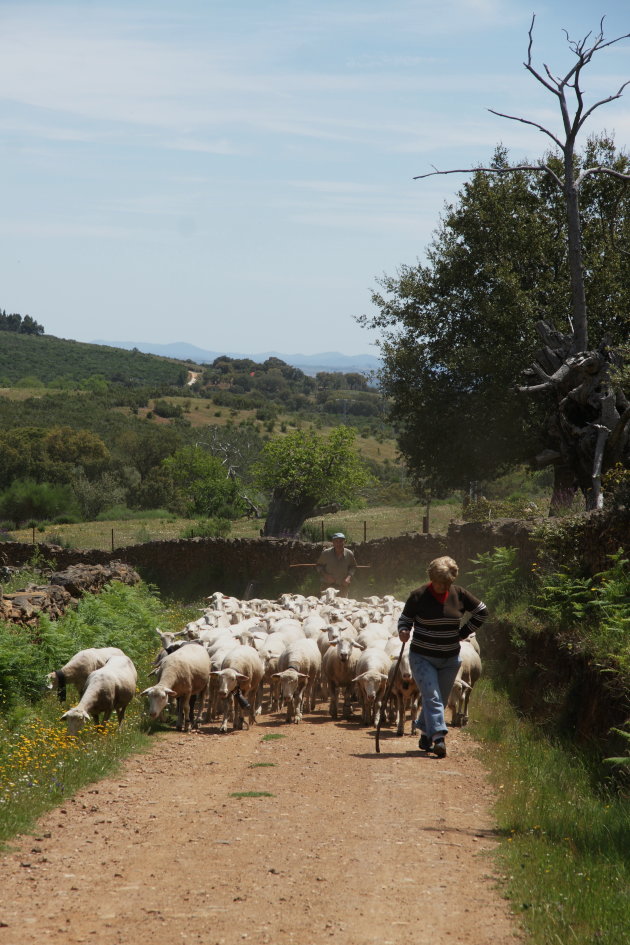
{"points": [[40, 764], [565, 829]]}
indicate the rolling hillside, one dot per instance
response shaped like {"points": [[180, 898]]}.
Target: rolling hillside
{"points": [[60, 362]]}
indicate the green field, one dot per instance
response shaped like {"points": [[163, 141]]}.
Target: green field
{"points": [[370, 523]]}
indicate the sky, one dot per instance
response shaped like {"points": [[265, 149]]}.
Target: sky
{"points": [[238, 174]]}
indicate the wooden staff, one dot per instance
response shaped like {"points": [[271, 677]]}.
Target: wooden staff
{"points": [[309, 565], [388, 693]]}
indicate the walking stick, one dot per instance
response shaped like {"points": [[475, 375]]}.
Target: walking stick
{"points": [[388, 693]]}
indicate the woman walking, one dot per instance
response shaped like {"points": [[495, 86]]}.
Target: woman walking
{"points": [[434, 613]]}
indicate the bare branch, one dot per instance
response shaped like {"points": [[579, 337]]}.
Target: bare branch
{"points": [[537, 168], [589, 171], [534, 124], [604, 101]]}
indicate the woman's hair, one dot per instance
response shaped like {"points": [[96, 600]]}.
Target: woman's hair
{"points": [[443, 570]]}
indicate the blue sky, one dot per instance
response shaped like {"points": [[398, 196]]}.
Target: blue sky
{"points": [[237, 174]]}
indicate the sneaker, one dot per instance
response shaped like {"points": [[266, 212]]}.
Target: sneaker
{"points": [[439, 748], [425, 743]]}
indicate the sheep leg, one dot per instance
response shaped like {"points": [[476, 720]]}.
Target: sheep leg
{"points": [[192, 718], [333, 700], [347, 703], [400, 701]]}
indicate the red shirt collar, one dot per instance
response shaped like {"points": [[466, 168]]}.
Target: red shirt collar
{"points": [[439, 597]]}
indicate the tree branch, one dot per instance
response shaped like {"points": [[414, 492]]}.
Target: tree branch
{"points": [[604, 101], [537, 168], [534, 124], [589, 171]]}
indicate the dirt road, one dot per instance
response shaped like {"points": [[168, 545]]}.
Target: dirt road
{"points": [[350, 846]]}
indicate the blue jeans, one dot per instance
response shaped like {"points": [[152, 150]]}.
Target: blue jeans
{"points": [[434, 678]]}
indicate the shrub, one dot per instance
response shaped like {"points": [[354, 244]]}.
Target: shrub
{"points": [[497, 577], [208, 528]]}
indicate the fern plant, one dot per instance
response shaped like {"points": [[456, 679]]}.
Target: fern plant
{"points": [[497, 577]]}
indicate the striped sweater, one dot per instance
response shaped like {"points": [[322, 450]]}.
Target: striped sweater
{"points": [[436, 626]]}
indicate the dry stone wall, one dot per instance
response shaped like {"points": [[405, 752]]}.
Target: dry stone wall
{"points": [[189, 568], [266, 567]]}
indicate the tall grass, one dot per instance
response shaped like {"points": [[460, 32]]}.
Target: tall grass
{"points": [[566, 833]]}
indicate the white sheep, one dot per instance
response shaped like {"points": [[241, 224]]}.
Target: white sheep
{"points": [[338, 671], [183, 674], [240, 676], [77, 669], [273, 646], [299, 667], [112, 687], [467, 675], [404, 691], [371, 678]]}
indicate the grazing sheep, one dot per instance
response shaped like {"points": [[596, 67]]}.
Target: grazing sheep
{"points": [[112, 687], [298, 669], [468, 674], [78, 669], [371, 678], [241, 674], [183, 674]]}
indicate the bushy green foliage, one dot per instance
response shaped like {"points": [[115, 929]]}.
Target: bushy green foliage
{"points": [[497, 578], [458, 329], [596, 608], [201, 485], [25, 500], [616, 486], [21, 325], [208, 528]]}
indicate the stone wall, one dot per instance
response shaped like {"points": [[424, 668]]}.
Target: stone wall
{"points": [[263, 567]]}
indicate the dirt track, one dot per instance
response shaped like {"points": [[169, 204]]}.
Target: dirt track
{"points": [[353, 847]]}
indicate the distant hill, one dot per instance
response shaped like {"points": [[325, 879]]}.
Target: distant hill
{"points": [[308, 363], [52, 360]]}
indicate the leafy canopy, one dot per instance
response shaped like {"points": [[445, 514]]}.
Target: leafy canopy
{"points": [[458, 330], [303, 467]]}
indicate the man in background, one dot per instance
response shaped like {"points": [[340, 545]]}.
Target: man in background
{"points": [[336, 565]]}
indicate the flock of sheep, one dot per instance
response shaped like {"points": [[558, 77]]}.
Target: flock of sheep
{"points": [[263, 655]]}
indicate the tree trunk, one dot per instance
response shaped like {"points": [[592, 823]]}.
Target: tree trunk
{"points": [[576, 269], [285, 518]]}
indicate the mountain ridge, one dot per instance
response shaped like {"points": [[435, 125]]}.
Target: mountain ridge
{"points": [[322, 361]]}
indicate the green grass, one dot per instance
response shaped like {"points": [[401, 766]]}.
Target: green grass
{"points": [[566, 831], [376, 522], [271, 737], [252, 794], [40, 764], [263, 764]]}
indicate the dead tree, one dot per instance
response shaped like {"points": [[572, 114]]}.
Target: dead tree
{"points": [[589, 429], [590, 439]]}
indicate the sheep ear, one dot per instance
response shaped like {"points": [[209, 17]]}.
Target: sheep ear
{"points": [[64, 716], [384, 676], [170, 692], [241, 676], [145, 692], [359, 646], [303, 675]]}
